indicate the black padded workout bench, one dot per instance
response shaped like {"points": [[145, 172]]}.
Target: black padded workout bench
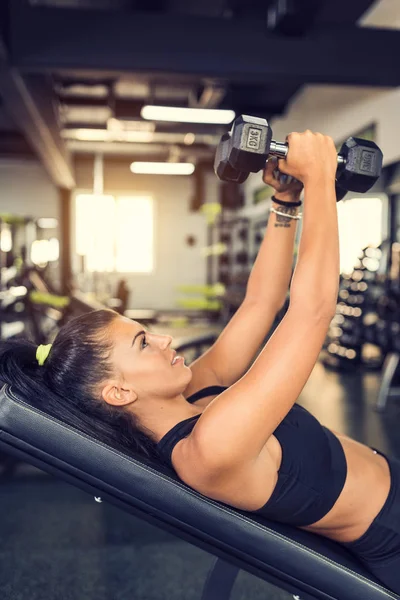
{"points": [[306, 565]]}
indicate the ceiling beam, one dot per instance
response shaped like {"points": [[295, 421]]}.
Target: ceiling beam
{"points": [[127, 109], [14, 145], [343, 11], [299, 17], [47, 39], [28, 101], [167, 127]]}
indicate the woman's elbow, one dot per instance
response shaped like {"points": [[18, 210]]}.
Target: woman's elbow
{"points": [[320, 309]]}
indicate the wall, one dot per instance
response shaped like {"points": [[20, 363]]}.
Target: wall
{"points": [[26, 190], [342, 111], [175, 262]]}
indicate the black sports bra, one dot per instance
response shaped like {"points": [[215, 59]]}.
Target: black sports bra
{"points": [[313, 469]]}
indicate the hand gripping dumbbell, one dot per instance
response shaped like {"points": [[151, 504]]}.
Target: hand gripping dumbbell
{"points": [[247, 147], [227, 173]]}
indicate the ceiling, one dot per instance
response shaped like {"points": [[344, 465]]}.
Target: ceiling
{"points": [[76, 73]]}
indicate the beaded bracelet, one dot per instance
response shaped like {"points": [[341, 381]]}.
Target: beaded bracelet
{"points": [[286, 214], [289, 204]]}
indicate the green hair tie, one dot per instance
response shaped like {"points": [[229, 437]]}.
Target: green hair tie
{"points": [[42, 353]]}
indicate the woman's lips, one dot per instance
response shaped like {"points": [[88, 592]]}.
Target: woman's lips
{"points": [[178, 360]]}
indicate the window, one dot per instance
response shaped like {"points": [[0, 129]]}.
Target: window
{"points": [[360, 224], [115, 233]]}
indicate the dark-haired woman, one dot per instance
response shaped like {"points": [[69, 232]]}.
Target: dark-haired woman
{"points": [[230, 430]]}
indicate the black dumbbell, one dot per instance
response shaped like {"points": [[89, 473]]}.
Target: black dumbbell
{"points": [[242, 257], [243, 234], [395, 335], [340, 192], [225, 237], [224, 277], [223, 169], [246, 149], [382, 333], [258, 238]]}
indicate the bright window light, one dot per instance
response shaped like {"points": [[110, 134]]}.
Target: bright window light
{"points": [[40, 252], [115, 234], [134, 235], [358, 228], [95, 216], [44, 251], [159, 168], [54, 249], [47, 223], [187, 115]]}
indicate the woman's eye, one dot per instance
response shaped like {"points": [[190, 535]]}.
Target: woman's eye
{"points": [[144, 343]]}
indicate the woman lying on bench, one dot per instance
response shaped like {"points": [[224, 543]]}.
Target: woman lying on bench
{"points": [[230, 430]]}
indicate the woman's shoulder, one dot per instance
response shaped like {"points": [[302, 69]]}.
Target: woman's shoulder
{"points": [[244, 488]]}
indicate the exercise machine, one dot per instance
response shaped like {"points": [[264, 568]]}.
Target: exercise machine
{"points": [[304, 564]]}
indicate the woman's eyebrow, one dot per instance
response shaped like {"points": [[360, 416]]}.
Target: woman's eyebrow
{"points": [[137, 335]]}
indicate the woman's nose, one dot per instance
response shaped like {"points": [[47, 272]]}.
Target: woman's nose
{"points": [[166, 341]]}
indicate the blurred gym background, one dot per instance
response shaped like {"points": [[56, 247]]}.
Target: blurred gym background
{"points": [[108, 197]]}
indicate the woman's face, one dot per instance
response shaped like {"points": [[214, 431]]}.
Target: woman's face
{"points": [[143, 361]]}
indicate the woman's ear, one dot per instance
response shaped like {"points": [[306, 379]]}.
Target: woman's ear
{"points": [[113, 394]]}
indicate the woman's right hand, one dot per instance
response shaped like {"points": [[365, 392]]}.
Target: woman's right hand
{"points": [[310, 156]]}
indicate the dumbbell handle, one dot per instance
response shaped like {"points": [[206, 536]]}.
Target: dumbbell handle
{"points": [[280, 150]]}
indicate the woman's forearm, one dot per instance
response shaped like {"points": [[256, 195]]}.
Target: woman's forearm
{"points": [[316, 277], [270, 276]]}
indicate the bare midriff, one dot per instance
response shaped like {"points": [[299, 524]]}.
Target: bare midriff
{"points": [[364, 493]]}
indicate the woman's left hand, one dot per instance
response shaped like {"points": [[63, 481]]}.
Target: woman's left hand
{"points": [[287, 188]]}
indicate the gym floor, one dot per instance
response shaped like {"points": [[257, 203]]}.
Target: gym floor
{"points": [[59, 544]]}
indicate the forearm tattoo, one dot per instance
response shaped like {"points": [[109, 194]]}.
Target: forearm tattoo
{"points": [[283, 221]]}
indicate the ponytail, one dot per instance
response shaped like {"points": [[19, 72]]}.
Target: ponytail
{"points": [[66, 386], [18, 364]]}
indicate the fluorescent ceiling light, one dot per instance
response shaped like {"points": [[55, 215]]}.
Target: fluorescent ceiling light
{"points": [[187, 115], [88, 135], [80, 89], [114, 124], [134, 136], [159, 168], [126, 88], [104, 135], [95, 115]]}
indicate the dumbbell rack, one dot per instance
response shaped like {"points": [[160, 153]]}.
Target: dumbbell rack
{"points": [[389, 309], [352, 335], [236, 240], [235, 265]]}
